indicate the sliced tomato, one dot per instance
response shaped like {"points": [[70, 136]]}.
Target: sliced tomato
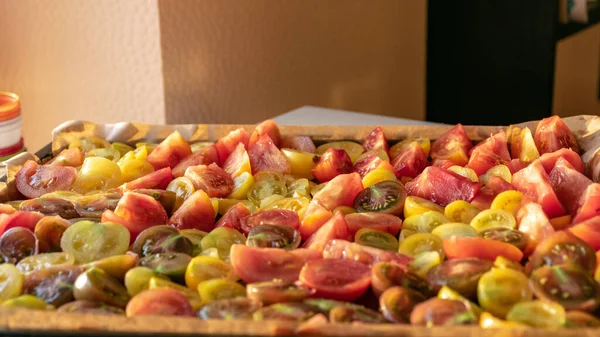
{"points": [[549, 159], [490, 152], [588, 231], [233, 217], [331, 164], [588, 205], [336, 279], [532, 221], [68, 157], [268, 127], [533, 181], [453, 145], [169, 152], [19, 219], [485, 195], [227, 144], [211, 179], [340, 191], [137, 212], [254, 264], [315, 216], [35, 180], [238, 162], [442, 186], [410, 162], [568, 183], [335, 228], [516, 165], [196, 212], [7, 209], [499, 185], [265, 156], [378, 221], [467, 247], [370, 162], [522, 145], [156, 180], [205, 156], [342, 249], [376, 140], [280, 217], [443, 163], [553, 134], [299, 143]]}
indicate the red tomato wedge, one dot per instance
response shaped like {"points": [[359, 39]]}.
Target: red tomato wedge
{"points": [[535, 183], [253, 264], [443, 163], [233, 217], [211, 179], [334, 228], [268, 127], [236, 161], [442, 186], [280, 217], [340, 191], [485, 195], [156, 180], [370, 162], [453, 145], [336, 279], [35, 180], [342, 249], [331, 164], [19, 219], [378, 221], [137, 212], [522, 145], [227, 144], [196, 212], [314, 217], [588, 231], [169, 152], [532, 221], [299, 143], [68, 157], [553, 134], [376, 140], [490, 152], [160, 302], [204, 156], [499, 185], [516, 165], [588, 205], [410, 162], [265, 156], [549, 160], [568, 184], [466, 247]]}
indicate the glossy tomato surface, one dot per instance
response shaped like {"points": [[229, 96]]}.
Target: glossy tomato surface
{"points": [[490, 152], [442, 186], [454, 145], [169, 152], [35, 180], [568, 183], [265, 156], [588, 205], [335, 228], [205, 156], [336, 279], [465, 247], [534, 182], [331, 164], [376, 140], [410, 162], [553, 134], [158, 179], [211, 179]]}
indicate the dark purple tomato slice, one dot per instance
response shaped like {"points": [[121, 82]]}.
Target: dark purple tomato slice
{"points": [[50, 206], [437, 311], [91, 307], [396, 303], [277, 291], [560, 248], [172, 265], [93, 206], [289, 311], [235, 308], [18, 243], [274, 236], [162, 239], [384, 197], [53, 285], [580, 319], [49, 232], [385, 275], [96, 285], [568, 285], [514, 237], [461, 275]]}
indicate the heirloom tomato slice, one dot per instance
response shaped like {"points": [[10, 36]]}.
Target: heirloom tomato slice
{"points": [[342, 249], [238, 162], [340, 191], [516, 165], [553, 134], [265, 156], [68, 157], [138, 212], [424, 143], [376, 140], [452, 145], [196, 212], [588, 231], [410, 162], [334, 228], [205, 156], [279, 217], [466, 247], [568, 184], [490, 152], [522, 146], [378, 221], [299, 143], [444, 163], [35, 180], [314, 217], [268, 127], [210, 179], [19, 219], [331, 164], [336, 279], [442, 186], [549, 159], [534, 183], [533, 222], [169, 152], [233, 217], [588, 205], [370, 161], [159, 179], [226, 145]]}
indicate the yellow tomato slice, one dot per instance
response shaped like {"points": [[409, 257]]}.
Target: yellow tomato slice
{"points": [[298, 205], [424, 143], [183, 188], [376, 176], [199, 146], [493, 218], [242, 184], [301, 162], [501, 171], [132, 169], [460, 211], [423, 262], [465, 172], [353, 149], [415, 205], [423, 223], [508, 200]]}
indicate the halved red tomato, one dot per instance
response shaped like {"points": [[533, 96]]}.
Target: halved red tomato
{"points": [[211, 179], [532, 221], [227, 144], [137, 212], [442, 186], [254, 264], [588, 205], [268, 127], [19, 219], [553, 134], [336, 279], [342, 249], [453, 145], [206, 156], [466, 247], [410, 162], [68, 157], [299, 143], [331, 164], [443, 163], [568, 184], [279, 217], [549, 159], [376, 140], [233, 217], [378, 221], [340, 191], [265, 156], [196, 212], [516, 165], [156, 180], [169, 152], [314, 217], [370, 162], [533, 181], [35, 180], [335, 228], [490, 152], [588, 231]]}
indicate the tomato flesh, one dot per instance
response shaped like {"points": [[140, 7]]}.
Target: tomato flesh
{"points": [[336, 279], [169, 152], [533, 181], [588, 205], [370, 162], [19, 219], [315, 216], [588, 231], [549, 159], [227, 144], [136, 212], [532, 221], [553, 134], [331, 164], [159, 179], [466, 247], [299, 143], [279, 217], [442, 186], [568, 183], [342, 249], [453, 145], [268, 127], [211, 179], [378, 221], [376, 140], [489, 153], [410, 162], [233, 217], [339, 191], [334, 228], [35, 180], [205, 156], [68, 157], [196, 212], [265, 156]]}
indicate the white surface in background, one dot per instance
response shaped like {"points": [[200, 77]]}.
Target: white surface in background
{"points": [[311, 115]]}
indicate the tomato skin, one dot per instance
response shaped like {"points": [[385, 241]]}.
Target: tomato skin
{"points": [[265, 156], [227, 144], [370, 162], [196, 212], [342, 249], [24, 219], [162, 301], [465, 247], [280, 217], [211, 179], [376, 140], [490, 152], [549, 160], [588, 231], [169, 152], [233, 217], [532, 221], [410, 162], [334, 228], [315, 216], [552, 134], [516, 165], [568, 184], [331, 164], [336, 279], [46, 179], [68, 157], [205, 156], [253, 264], [267, 127], [453, 145], [156, 180], [588, 205], [442, 186], [299, 143], [443, 163], [534, 182], [339, 191], [378, 221], [139, 211]]}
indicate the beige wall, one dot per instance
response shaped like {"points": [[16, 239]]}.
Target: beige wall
{"points": [[81, 59]]}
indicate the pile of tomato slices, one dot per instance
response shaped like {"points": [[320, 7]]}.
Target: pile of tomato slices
{"points": [[504, 232]]}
